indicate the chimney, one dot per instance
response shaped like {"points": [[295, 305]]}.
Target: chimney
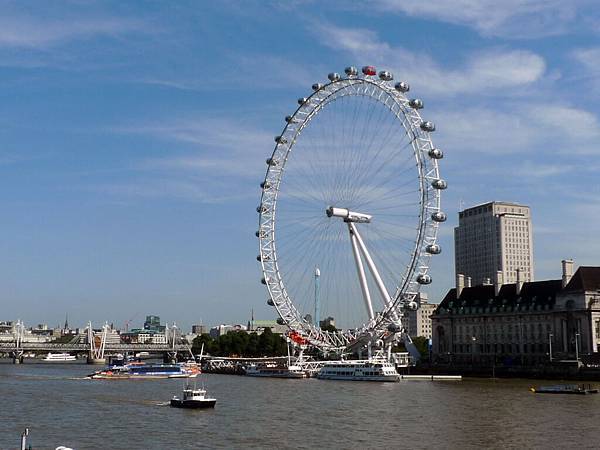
{"points": [[567, 271], [468, 282], [519, 284], [498, 283], [460, 284]]}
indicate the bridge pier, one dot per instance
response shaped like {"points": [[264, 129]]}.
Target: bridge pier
{"points": [[17, 357], [91, 360], [170, 357]]}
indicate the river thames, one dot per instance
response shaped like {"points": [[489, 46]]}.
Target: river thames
{"points": [[62, 408]]}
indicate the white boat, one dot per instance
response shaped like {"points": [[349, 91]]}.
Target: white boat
{"points": [[59, 357], [276, 371], [359, 370], [193, 398]]}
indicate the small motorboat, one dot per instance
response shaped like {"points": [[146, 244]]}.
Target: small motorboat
{"points": [[577, 389], [193, 398]]}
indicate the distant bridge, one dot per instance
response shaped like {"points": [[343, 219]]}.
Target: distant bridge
{"points": [[45, 347], [96, 348]]}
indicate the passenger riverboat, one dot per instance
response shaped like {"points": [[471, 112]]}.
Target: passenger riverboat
{"points": [[138, 370], [59, 357], [359, 370], [275, 371]]}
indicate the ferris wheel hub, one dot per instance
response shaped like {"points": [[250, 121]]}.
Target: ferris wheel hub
{"points": [[347, 215]]}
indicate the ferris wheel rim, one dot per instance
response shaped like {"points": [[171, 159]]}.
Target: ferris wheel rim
{"points": [[428, 169]]}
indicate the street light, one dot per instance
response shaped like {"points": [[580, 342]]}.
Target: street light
{"points": [[550, 336], [473, 339], [577, 347]]}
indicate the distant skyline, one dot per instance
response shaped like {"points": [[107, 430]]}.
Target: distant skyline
{"points": [[133, 138]]}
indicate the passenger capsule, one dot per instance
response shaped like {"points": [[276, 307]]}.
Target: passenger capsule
{"points": [[386, 76], [439, 184], [333, 76], [258, 258], [416, 103], [413, 306], [369, 70], [280, 321], [270, 302], [265, 185], [436, 153], [402, 86], [394, 328], [262, 209], [351, 71], [439, 216], [317, 86], [433, 249], [302, 100], [423, 278], [264, 280], [272, 162], [289, 119], [280, 140], [427, 126], [260, 234]]}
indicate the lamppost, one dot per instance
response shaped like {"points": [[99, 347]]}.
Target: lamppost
{"points": [[473, 340], [550, 336], [577, 347]]}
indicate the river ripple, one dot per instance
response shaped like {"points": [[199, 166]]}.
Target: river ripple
{"points": [[61, 408]]}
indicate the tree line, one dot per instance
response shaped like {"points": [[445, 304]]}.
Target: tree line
{"points": [[242, 344]]}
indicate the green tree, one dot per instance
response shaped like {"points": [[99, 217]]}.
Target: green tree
{"points": [[422, 344]]}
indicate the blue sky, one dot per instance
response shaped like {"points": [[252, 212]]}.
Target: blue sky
{"points": [[133, 137]]}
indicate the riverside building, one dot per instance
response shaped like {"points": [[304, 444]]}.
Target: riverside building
{"points": [[522, 323], [418, 322], [494, 237]]}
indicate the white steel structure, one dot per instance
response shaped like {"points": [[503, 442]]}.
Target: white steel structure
{"points": [[352, 187]]}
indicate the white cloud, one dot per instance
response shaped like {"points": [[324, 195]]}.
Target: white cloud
{"points": [[589, 57], [30, 32], [481, 72], [239, 72], [221, 160], [506, 18], [547, 129]]}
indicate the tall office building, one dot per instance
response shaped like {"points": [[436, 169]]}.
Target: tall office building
{"points": [[494, 240]]}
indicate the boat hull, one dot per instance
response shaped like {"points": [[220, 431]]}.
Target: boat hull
{"points": [[276, 375], [359, 378], [193, 404]]}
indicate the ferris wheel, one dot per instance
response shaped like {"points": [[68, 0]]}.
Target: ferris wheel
{"points": [[350, 209]]}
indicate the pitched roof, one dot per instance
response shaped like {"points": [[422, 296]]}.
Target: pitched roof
{"points": [[585, 279], [532, 293]]}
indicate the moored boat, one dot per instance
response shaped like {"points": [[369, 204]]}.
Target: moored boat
{"points": [[59, 357], [577, 389], [359, 370], [275, 371]]}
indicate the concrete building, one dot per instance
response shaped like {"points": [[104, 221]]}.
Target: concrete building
{"points": [[152, 323], [223, 329], [524, 323], [199, 329], [491, 238], [418, 322], [258, 326]]}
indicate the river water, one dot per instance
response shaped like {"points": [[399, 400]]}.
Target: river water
{"points": [[61, 408]]}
